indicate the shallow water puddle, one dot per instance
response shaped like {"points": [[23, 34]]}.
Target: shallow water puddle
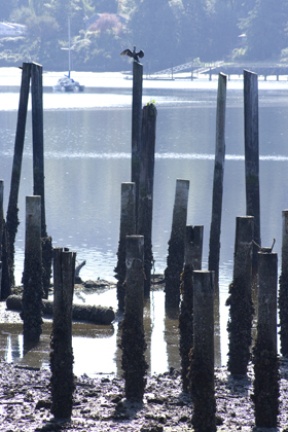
{"points": [[96, 348]]}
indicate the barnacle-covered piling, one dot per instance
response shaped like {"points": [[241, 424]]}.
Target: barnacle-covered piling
{"points": [[133, 340]]}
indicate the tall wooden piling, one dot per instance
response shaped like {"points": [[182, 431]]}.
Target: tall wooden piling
{"points": [[127, 227], [175, 259], [266, 381], [38, 139], [283, 287], [61, 356], [133, 340], [12, 210], [251, 126], [215, 230], [136, 126], [192, 261], [240, 299], [146, 181], [38, 167], [32, 275], [202, 362]]}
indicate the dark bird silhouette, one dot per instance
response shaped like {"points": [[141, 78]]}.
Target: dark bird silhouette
{"points": [[135, 55]]}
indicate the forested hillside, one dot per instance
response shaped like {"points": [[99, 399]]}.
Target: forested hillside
{"points": [[170, 32]]}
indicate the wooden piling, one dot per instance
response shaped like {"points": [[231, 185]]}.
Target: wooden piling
{"points": [[266, 368], [38, 139], [127, 227], [38, 167], [12, 211], [32, 275], [5, 264], [176, 245], [202, 361], [283, 287], [240, 299], [146, 181], [2, 227], [215, 230], [136, 126], [133, 340], [2, 222], [194, 246], [61, 356], [6, 267], [251, 126], [192, 261]]}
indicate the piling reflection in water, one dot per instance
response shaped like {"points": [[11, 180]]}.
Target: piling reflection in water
{"points": [[96, 348]]}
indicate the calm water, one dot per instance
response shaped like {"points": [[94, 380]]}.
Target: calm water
{"points": [[87, 157]]}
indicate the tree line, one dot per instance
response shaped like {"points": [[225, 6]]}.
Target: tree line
{"points": [[170, 32]]}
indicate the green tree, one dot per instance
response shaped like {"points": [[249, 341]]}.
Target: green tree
{"points": [[155, 29], [170, 32], [222, 30], [7, 7], [108, 6], [265, 30], [195, 29], [99, 46]]}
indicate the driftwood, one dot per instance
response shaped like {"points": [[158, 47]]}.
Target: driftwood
{"points": [[77, 272], [92, 314]]}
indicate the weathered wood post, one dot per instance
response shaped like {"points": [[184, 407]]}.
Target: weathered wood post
{"points": [[12, 210], [38, 167], [194, 246], [146, 181], [283, 287], [7, 273], [215, 230], [127, 227], [266, 381], [240, 299], [133, 340], [32, 274], [5, 265], [136, 126], [2, 228], [2, 221], [175, 259], [251, 126], [61, 356], [38, 138], [192, 261], [202, 361]]}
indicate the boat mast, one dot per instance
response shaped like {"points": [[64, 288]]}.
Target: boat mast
{"points": [[69, 47]]}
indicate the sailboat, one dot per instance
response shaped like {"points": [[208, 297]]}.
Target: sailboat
{"points": [[67, 83]]}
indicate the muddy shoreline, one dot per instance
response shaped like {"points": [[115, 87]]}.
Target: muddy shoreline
{"points": [[99, 404]]}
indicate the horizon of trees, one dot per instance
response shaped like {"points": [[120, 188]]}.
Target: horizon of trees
{"points": [[170, 32]]}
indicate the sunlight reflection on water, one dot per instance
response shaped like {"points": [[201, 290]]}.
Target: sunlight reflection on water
{"points": [[96, 348]]}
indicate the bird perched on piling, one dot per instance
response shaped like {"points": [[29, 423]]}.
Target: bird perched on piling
{"points": [[135, 55]]}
